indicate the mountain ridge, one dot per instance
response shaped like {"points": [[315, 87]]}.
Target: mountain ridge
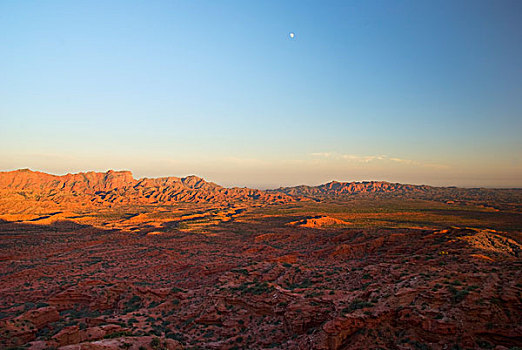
{"points": [[121, 187], [335, 190]]}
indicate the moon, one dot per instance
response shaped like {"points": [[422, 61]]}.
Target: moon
{"points": [[292, 35]]}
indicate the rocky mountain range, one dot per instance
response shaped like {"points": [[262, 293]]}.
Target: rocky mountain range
{"points": [[120, 187]]}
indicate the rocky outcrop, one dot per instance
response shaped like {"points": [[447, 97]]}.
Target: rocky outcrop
{"points": [[75, 335], [131, 343], [69, 299], [319, 221], [40, 317], [492, 242]]}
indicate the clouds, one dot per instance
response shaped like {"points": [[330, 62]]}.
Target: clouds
{"points": [[382, 159]]}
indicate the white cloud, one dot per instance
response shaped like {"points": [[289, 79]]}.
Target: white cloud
{"points": [[373, 158], [362, 159], [321, 154]]}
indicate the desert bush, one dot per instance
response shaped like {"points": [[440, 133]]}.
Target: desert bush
{"points": [[355, 305]]}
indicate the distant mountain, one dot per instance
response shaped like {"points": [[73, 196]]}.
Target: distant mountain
{"points": [[507, 198], [25, 187], [120, 187], [340, 189]]}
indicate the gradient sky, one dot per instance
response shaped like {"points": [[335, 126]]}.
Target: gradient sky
{"points": [[408, 91]]}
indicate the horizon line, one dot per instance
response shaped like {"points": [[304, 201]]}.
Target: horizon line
{"points": [[258, 187]]}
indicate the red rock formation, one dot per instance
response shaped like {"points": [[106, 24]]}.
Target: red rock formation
{"points": [[40, 317], [69, 298], [119, 187], [131, 343], [319, 222], [75, 335]]}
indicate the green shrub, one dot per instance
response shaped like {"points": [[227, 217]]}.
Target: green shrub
{"points": [[355, 305]]}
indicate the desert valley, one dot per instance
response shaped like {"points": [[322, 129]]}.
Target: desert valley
{"points": [[106, 261], [358, 175]]}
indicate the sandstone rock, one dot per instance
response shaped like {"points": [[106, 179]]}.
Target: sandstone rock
{"points": [[40, 317], [319, 222], [131, 343], [74, 335]]}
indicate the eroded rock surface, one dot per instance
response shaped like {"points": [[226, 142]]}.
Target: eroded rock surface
{"points": [[293, 289], [104, 261]]}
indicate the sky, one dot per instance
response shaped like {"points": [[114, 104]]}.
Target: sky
{"points": [[423, 92]]}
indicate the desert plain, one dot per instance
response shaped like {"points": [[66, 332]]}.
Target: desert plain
{"points": [[105, 261]]}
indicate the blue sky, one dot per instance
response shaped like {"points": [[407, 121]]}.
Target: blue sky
{"points": [[408, 91]]}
